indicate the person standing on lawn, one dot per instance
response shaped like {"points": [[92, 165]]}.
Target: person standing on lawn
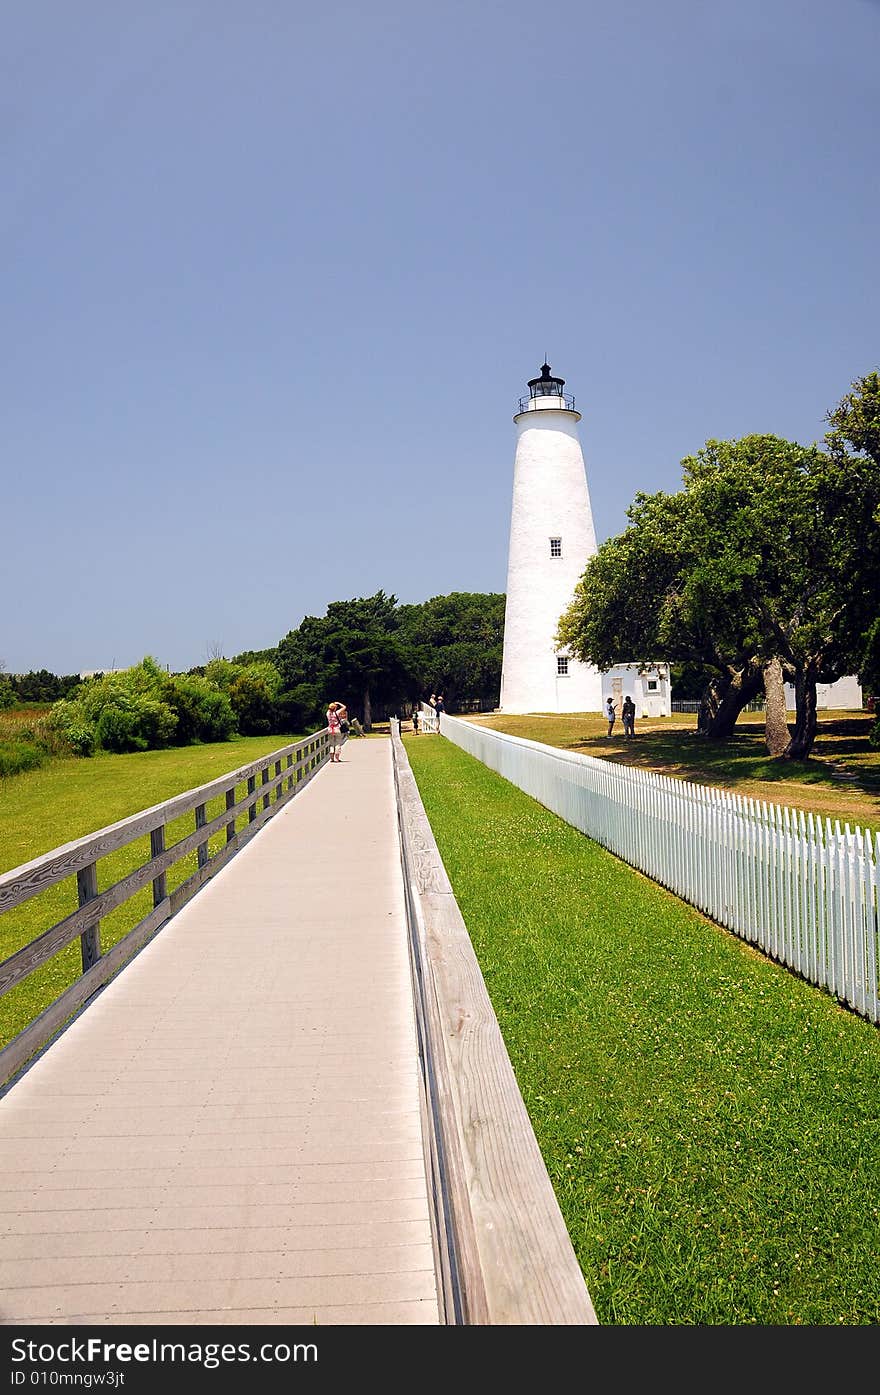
{"points": [[611, 714], [628, 713]]}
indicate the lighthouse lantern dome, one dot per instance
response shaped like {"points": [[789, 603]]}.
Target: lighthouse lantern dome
{"points": [[547, 386]]}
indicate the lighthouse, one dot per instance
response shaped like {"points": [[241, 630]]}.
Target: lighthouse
{"points": [[552, 538]]}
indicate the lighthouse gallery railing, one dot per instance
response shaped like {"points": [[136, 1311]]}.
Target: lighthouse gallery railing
{"points": [[804, 891]]}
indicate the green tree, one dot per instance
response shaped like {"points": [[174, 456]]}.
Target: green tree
{"points": [[855, 421], [39, 685], [7, 691], [767, 560], [253, 693], [855, 433], [869, 676], [454, 646], [353, 652], [635, 603]]}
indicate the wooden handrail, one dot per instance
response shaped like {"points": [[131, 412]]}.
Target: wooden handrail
{"points": [[294, 765], [503, 1252]]}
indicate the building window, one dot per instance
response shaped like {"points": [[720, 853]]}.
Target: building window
{"points": [[561, 666], [555, 547], [652, 685]]}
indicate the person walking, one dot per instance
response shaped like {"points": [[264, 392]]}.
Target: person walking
{"points": [[415, 719], [336, 714], [628, 713], [439, 708], [611, 714]]}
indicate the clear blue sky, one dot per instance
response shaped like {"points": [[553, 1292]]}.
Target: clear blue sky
{"points": [[276, 274]]}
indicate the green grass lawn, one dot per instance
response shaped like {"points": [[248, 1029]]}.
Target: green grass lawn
{"points": [[710, 1122], [840, 780], [68, 798]]}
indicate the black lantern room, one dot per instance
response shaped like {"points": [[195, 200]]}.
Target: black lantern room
{"points": [[547, 386]]}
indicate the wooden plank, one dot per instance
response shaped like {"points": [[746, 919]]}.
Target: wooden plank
{"points": [[43, 1028], [510, 1248]]}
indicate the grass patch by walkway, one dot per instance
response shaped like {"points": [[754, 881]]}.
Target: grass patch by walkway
{"points": [[709, 1121]]}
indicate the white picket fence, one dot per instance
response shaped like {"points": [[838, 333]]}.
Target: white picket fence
{"points": [[805, 892]]}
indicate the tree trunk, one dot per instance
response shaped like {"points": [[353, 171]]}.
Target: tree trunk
{"points": [[722, 702], [368, 711], [776, 732], [804, 734], [710, 701]]}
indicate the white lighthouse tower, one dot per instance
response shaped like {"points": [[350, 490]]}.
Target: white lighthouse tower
{"points": [[551, 540]]}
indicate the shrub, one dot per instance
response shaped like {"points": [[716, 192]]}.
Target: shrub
{"points": [[143, 708], [71, 724], [253, 690], [253, 704], [203, 711], [82, 737], [140, 724], [16, 756]]}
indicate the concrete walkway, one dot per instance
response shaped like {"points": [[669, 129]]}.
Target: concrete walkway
{"points": [[231, 1133]]}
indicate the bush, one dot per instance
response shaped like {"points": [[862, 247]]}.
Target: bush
{"points": [[874, 735], [203, 711], [82, 737], [143, 708], [252, 689], [139, 725], [253, 704], [16, 756]]}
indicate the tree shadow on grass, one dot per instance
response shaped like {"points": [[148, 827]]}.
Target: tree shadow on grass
{"points": [[743, 758]]}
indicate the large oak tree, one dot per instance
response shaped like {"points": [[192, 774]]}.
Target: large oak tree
{"points": [[766, 566]]}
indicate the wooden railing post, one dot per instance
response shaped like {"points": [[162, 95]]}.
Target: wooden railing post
{"points": [[201, 820], [252, 808], [292, 777], [90, 939], [157, 846], [230, 804], [279, 787], [265, 780]]}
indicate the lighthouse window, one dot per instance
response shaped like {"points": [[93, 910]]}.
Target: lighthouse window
{"points": [[561, 665], [555, 547], [652, 685]]}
